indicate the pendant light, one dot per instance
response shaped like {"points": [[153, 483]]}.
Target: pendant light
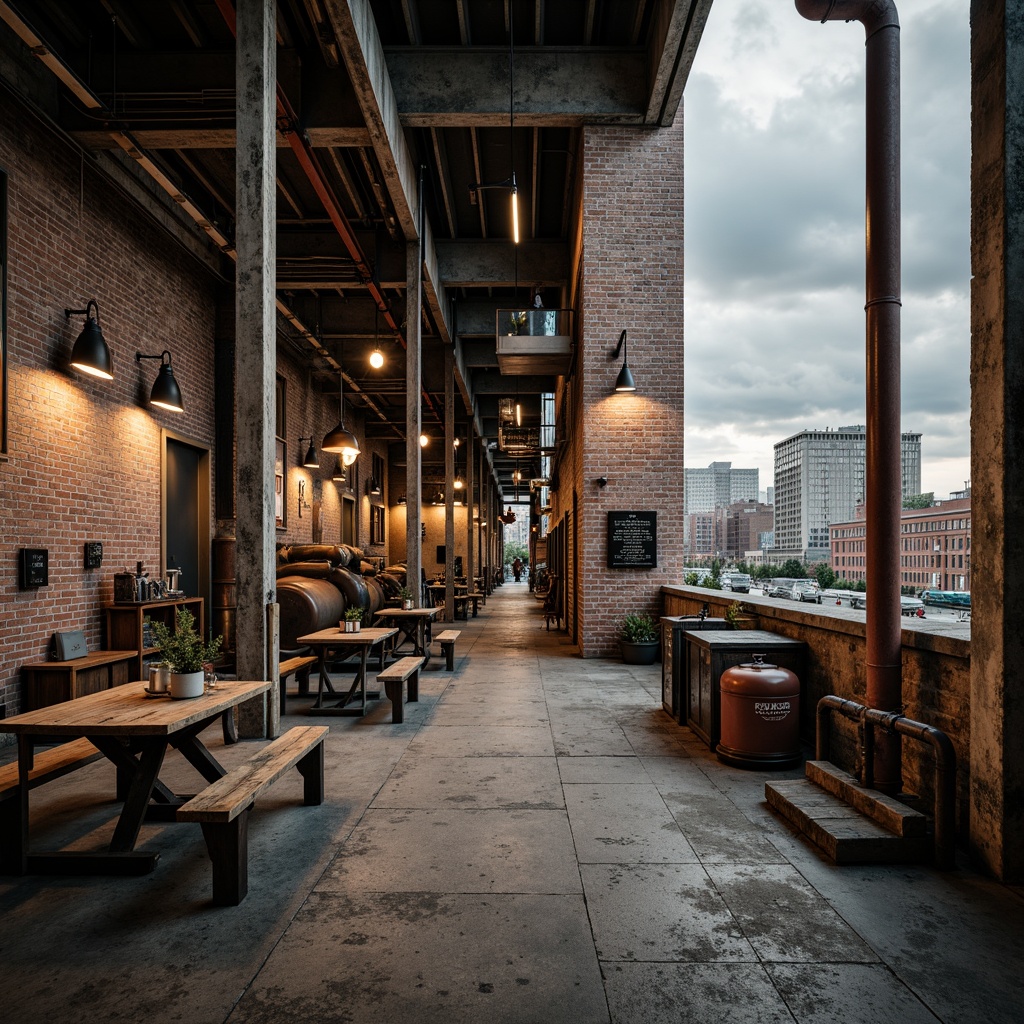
{"points": [[341, 440], [376, 356]]}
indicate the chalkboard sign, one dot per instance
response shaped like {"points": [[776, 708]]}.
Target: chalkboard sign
{"points": [[33, 567], [632, 540]]}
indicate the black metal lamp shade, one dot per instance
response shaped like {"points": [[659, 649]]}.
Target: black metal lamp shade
{"points": [[624, 381], [166, 394], [90, 354], [341, 441], [310, 460]]}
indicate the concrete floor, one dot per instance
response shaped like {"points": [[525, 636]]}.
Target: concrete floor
{"points": [[538, 842]]}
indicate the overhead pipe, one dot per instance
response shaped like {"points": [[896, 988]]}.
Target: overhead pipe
{"points": [[882, 314]]}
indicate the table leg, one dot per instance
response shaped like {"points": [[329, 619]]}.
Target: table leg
{"points": [[126, 832]]}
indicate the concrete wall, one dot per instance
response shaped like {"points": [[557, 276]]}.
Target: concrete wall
{"points": [[936, 677]]}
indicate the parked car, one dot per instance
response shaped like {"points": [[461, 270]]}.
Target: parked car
{"points": [[803, 590], [737, 581], [780, 588]]}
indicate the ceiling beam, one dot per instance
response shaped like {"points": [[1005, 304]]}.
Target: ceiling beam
{"points": [[456, 87], [491, 263], [675, 33]]}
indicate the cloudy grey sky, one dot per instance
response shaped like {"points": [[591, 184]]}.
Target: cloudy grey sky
{"points": [[774, 112]]}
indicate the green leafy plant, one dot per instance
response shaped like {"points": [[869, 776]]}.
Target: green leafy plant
{"points": [[183, 648], [734, 612], [405, 594], [353, 613], [638, 629]]}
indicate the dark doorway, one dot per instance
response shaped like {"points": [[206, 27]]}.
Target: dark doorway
{"points": [[186, 514]]}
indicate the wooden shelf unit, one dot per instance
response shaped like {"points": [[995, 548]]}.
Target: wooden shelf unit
{"points": [[53, 682], [124, 625]]}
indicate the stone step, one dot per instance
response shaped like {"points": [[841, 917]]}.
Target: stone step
{"points": [[898, 818], [844, 834]]}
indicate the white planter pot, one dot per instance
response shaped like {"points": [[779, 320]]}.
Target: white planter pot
{"points": [[186, 684], [407, 606], [351, 627]]}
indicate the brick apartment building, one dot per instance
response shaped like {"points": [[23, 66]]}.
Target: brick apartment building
{"points": [[935, 546]]}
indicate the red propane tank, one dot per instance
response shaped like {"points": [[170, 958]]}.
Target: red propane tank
{"points": [[760, 710]]}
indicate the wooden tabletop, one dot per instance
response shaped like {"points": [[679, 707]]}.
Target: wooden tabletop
{"points": [[406, 613], [91, 660], [336, 637], [128, 710]]}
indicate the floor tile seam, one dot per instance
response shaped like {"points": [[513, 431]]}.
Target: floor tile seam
{"points": [[353, 892]]}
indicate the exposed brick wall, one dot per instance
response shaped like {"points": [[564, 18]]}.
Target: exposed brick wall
{"points": [[632, 277], [84, 456]]}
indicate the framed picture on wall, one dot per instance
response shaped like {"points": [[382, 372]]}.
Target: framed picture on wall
{"points": [[376, 524], [280, 504]]}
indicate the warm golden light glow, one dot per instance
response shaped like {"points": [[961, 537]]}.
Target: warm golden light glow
{"points": [[515, 216], [519, 415], [424, 440], [94, 371], [376, 359]]}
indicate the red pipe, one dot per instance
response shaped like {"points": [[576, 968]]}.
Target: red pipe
{"points": [[882, 309]]}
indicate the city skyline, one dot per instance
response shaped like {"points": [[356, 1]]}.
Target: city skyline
{"points": [[774, 113]]}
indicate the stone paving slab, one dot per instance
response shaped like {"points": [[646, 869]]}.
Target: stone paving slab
{"points": [[418, 958], [602, 769], [661, 912], [624, 824], [486, 851], [693, 994], [473, 782], [482, 741]]}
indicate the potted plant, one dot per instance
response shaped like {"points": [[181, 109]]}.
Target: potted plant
{"points": [[186, 652], [353, 619], [638, 638], [738, 616], [406, 595]]}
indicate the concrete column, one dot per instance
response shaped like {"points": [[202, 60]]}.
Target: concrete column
{"points": [[449, 488], [632, 278], [413, 420], [997, 435], [255, 345]]}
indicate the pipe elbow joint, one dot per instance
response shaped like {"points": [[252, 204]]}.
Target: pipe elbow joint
{"points": [[873, 14]]}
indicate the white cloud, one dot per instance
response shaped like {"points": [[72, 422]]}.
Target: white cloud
{"points": [[774, 114]]}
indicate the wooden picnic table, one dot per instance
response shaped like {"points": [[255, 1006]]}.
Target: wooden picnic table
{"points": [[414, 624], [336, 639], [133, 730]]}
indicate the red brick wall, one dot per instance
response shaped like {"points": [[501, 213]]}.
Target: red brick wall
{"points": [[632, 277], [84, 456]]}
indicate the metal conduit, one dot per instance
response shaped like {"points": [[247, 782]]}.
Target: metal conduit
{"points": [[882, 315], [888, 723]]}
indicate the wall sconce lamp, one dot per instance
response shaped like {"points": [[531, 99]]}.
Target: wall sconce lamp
{"points": [[165, 394], [90, 354], [624, 381], [401, 500], [601, 481], [338, 475], [311, 459], [373, 487]]}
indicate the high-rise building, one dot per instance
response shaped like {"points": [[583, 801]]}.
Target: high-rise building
{"points": [[719, 485], [819, 480]]}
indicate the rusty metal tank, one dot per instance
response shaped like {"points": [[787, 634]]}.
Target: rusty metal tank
{"points": [[307, 605], [760, 708]]}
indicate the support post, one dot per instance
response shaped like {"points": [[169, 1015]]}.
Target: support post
{"points": [[413, 422], [470, 479], [449, 484], [256, 342]]}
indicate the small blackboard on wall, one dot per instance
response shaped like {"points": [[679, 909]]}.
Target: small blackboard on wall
{"points": [[632, 540], [33, 567]]}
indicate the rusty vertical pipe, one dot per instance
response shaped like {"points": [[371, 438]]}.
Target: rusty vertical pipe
{"points": [[882, 315]]}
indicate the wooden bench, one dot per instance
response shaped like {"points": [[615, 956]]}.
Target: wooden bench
{"points": [[299, 667], [222, 809], [447, 641], [394, 676], [48, 764], [475, 596]]}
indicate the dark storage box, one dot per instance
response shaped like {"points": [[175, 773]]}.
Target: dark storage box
{"points": [[708, 654], [673, 661]]}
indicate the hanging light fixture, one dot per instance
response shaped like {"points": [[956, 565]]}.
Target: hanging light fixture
{"points": [[624, 381], [424, 440], [165, 394], [376, 356], [341, 440], [311, 460], [510, 181], [90, 354]]}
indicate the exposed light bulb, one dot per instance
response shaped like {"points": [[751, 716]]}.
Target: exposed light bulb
{"points": [[424, 440], [376, 359], [519, 415], [515, 215]]}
